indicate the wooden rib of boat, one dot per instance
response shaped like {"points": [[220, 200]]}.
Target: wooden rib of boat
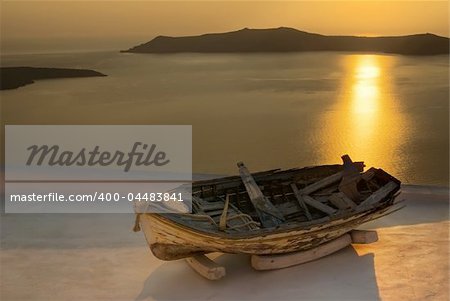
{"points": [[272, 212]]}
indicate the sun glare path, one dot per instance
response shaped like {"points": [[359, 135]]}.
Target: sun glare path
{"points": [[365, 87], [365, 121]]}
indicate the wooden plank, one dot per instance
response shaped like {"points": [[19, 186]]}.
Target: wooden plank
{"points": [[318, 205], [322, 183], [378, 195], [363, 236], [206, 267], [314, 203], [212, 206], [341, 201], [223, 217], [347, 200], [300, 201], [348, 187], [350, 179], [215, 212], [268, 214], [326, 191], [271, 262], [369, 174], [337, 201]]}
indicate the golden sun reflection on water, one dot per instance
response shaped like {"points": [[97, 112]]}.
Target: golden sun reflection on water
{"points": [[366, 122]]}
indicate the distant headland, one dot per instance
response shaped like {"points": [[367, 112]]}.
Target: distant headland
{"points": [[285, 39], [15, 77]]}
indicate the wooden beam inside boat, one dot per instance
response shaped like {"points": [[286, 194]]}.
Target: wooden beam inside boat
{"points": [[268, 214], [341, 201], [378, 195], [301, 201], [318, 205], [223, 216], [369, 174], [312, 202], [322, 183]]}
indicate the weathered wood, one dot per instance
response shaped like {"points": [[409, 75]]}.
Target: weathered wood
{"points": [[313, 203], [350, 179], [318, 205], [363, 236], [348, 187], [268, 214], [174, 236], [347, 200], [326, 191], [170, 241], [271, 262], [378, 195], [301, 201], [322, 183], [341, 201], [223, 217], [206, 267], [369, 174], [212, 206], [215, 212]]}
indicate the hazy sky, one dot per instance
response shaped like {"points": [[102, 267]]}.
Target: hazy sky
{"points": [[65, 25]]}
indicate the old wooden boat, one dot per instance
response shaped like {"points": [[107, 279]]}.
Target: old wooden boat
{"points": [[272, 212]]}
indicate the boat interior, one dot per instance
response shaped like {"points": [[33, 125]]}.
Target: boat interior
{"points": [[299, 196]]}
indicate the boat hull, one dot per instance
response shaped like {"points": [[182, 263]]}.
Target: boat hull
{"points": [[169, 240]]}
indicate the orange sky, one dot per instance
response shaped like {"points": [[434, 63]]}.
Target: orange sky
{"points": [[25, 23]]}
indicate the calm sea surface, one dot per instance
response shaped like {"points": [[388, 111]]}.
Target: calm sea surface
{"points": [[268, 110]]}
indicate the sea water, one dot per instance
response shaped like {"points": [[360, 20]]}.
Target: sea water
{"points": [[267, 110]]}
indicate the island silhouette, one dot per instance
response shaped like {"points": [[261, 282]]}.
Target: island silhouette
{"points": [[15, 77], [284, 39]]}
